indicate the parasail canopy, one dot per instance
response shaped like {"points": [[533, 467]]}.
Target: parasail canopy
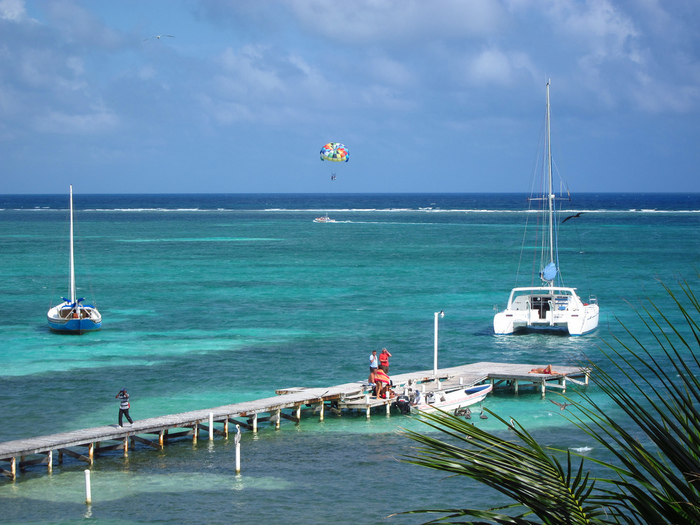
{"points": [[335, 152]]}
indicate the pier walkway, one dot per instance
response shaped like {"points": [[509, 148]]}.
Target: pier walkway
{"points": [[154, 432]]}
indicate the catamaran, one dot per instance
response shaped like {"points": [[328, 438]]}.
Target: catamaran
{"points": [[550, 306], [71, 316]]}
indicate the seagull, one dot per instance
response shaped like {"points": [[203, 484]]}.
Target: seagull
{"points": [[157, 37], [562, 406], [572, 217]]}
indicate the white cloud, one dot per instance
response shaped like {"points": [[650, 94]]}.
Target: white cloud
{"points": [[13, 10], [490, 66], [390, 71], [100, 120], [364, 21], [248, 72], [79, 25]]}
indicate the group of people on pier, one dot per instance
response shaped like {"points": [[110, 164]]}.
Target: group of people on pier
{"points": [[379, 374]]}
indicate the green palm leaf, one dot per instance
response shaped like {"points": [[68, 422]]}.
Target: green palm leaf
{"points": [[654, 476]]}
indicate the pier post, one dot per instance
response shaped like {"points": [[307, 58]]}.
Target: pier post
{"points": [[297, 414], [515, 385], [278, 417], [195, 432], [543, 388], [13, 468], [323, 406], [388, 408], [126, 446], [238, 449], [88, 491], [255, 422], [91, 452], [226, 428], [211, 426], [49, 460]]}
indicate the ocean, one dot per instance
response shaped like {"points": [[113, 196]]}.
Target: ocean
{"points": [[215, 299]]}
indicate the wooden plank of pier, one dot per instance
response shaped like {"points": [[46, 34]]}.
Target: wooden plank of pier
{"points": [[349, 395]]}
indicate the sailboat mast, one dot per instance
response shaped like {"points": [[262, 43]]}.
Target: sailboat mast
{"points": [[549, 178], [72, 264]]}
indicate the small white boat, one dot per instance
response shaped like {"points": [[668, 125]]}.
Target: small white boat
{"points": [[551, 306], [448, 400], [324, 219], [71, 316]]}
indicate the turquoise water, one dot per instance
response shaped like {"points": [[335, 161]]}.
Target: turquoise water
{"points": [[215, 299]]}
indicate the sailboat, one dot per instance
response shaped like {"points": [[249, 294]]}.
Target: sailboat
{"points": [[71, 316], [550, 306]]}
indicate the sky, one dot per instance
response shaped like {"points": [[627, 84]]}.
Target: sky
{"points": [[428, 96]]}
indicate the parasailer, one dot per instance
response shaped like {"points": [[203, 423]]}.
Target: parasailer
{"points": [[335, 152]]}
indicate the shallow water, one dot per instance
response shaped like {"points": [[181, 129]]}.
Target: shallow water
{"points": [[211, 300]]}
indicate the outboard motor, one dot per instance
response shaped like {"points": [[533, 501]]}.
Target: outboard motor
{"points": [[403, 402]]}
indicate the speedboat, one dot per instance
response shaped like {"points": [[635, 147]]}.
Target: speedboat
{"points": [[324, 219], [453, 399], [549, 306], [71, 316]]}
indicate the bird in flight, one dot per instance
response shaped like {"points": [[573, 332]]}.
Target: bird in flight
{"points": [[562, 406], [572, 217], [158, 37]]}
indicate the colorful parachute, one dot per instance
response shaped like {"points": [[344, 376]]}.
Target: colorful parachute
{"points": [[335, 152]]}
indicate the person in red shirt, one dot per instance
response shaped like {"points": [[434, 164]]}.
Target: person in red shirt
{"points": [[384, 360]]}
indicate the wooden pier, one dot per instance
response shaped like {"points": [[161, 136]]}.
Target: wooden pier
{"points": [[86, 444]]}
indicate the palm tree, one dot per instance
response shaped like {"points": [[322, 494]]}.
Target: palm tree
{"points": [[654, 474]]}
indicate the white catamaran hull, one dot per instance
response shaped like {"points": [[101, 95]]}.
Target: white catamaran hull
{"points": [[546, 308]]}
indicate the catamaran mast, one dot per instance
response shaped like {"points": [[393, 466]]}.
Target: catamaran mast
{"points": [[72, 264], [549, 180]]}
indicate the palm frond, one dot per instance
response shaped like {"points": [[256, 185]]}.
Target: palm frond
{"points": [[522, 469], [654, 474]]}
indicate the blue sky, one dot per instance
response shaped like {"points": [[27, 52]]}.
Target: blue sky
{"points": [[428, 96]]}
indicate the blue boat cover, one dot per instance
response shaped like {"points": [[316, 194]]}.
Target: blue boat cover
{"points": [[549, 272]]}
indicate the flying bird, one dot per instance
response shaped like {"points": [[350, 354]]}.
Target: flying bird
{"points": [[572, 217], [157, 37], [562, 406]]}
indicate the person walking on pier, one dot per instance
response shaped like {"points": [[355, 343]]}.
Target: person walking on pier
{"points": [[384, 360], [373, 365], [124, 406]]}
